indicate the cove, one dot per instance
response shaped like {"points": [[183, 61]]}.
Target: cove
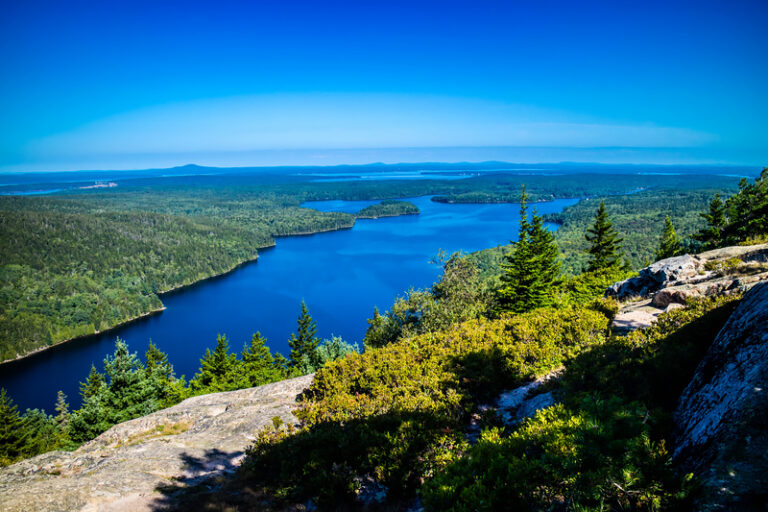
{"points": [[341, 275]]}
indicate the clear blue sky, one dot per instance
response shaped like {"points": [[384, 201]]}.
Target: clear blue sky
{"points": [[117, 84]]}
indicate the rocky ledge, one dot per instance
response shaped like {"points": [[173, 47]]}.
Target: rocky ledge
{"points": [[668, 283], [125, 467], [722, 416]]}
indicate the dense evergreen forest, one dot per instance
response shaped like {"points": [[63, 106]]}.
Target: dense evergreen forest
{"points": [[81, 263], [388, 208]]}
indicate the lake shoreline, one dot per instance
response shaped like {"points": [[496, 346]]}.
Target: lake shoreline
{"points": [[84, 336], [177, 289]]}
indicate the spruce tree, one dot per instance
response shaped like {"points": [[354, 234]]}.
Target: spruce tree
{"points": [[531, 268], [129, 393], [12, 430], [159, 374], [519, 267], [62, 418], [42, 434], [747, 211], [544, 249], [93, 385], [304, 343], [669, 245], [282, 365], [716, 219], [62, 410], [258, 363], [90, 419], [218, 369], [605, 243]]}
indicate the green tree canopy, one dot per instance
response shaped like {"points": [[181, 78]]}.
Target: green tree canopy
{"points": [[12, 431], [669, 245], [605, 244], [304, 343], [217, 369], [258, 364], [716, 219], [531, 267]]}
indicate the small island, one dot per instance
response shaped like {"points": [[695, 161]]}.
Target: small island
{"points": [[389, 208]]}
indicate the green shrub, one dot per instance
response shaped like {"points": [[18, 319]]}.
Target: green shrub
{"points": [[596, 457], [396, 414]]}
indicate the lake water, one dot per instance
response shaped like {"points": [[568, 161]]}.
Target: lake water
{"points": [[342, 275]]}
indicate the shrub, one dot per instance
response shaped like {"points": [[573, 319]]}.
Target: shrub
{"points": [[395, 414], [596, 457]]}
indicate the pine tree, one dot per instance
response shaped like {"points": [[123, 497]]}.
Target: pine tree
{"points": [[93, 385], [218, 369], [129, 393], [304, 343], [12, 430], [605, 244], [62, 410], [62, 419], [531, 268], [159, 374], [544, 249], [716, 219], [258, 363], [669, 245]]}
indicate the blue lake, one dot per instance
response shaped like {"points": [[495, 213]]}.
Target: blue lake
{"points": [[342, 275]]}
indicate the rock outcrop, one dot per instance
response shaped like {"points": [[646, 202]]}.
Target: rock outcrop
{"points": [[657, 276], [722, 416], [672, 281], [124, 468]]}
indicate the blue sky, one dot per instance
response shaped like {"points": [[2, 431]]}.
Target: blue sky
{"points": [[122, 84]]}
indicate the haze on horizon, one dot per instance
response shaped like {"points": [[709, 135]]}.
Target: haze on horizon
{"points": [[118, 85]]}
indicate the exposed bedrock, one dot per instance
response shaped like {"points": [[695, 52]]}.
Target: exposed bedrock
{"points": [[722, 416]]}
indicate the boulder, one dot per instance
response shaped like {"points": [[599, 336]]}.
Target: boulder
{"points": [[722, 416], [675, 295], [631, 320], [657, 276], [521, 402]]}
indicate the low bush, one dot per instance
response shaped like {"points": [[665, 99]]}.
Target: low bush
{"points": [[598, 456], [395, 415]]}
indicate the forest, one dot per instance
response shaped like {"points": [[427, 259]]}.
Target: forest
{"points": [[80, 263], [388, 208]]}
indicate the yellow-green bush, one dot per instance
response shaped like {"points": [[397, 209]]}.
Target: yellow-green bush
{"points": [[395, 414]]}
